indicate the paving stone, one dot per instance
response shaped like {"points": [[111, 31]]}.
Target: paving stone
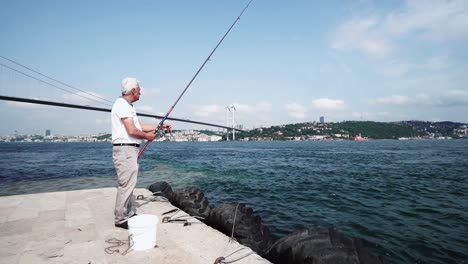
{"points": [[51, 215], [11, 201], [9, 259], [80, 234], [12, 245], [53, 201], [18, 227], [46, 255], [5, 213], [28, 209], [77, 214], [46, 240], [73, 227], [86, 252]]}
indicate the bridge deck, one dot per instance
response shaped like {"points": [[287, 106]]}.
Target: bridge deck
{"points": [[73, 226]]}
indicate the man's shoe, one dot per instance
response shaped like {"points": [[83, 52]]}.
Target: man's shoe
{"points": [[123, 225]]}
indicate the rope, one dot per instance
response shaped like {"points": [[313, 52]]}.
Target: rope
{"points": [[224, 259], [154, 198], [180, 219], [118, 243], [234, 223], [250, 252]]}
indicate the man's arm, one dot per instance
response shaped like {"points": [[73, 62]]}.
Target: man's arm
{"points": [[133, 131]]}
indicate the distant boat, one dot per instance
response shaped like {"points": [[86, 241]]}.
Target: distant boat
{"points": [[359, 138]]}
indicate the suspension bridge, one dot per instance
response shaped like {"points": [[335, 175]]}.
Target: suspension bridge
{"points": [[22, 84]]}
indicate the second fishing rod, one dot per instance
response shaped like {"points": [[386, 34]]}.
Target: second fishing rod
{"points": [[160, 124]]}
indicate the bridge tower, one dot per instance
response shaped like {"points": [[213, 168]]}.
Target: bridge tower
{"points": [[231, 121]]}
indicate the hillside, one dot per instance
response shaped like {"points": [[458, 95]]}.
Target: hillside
{"points": [[350, 129]]}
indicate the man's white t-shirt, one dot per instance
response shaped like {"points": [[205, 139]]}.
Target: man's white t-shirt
{"points": [[121, 109]]}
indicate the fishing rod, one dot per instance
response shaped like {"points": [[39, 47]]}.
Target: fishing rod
{"points": [[195, 76]]}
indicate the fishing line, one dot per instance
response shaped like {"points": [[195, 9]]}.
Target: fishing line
{"points": [[188, 85]]}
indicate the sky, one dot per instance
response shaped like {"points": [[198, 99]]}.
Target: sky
{"points": [[283, 62]]}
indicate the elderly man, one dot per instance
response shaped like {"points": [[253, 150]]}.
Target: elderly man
{"points": [[127, 133]]}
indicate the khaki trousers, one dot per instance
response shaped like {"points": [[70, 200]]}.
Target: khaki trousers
{"points": [[126, 165]]}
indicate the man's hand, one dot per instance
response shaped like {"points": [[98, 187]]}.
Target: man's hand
{"points": [[168, 128], [150, 136]]}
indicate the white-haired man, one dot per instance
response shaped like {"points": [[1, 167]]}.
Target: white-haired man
{"points": [[127, 133]]}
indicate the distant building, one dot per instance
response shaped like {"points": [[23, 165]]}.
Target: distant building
{"points": [[214, 138], [322, 119], [47, 132]]}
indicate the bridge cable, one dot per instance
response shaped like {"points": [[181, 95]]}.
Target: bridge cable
{"points": [[55, 80], [42, 81]]}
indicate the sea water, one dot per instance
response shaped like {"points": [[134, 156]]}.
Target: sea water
{"points": [[407, 200]]}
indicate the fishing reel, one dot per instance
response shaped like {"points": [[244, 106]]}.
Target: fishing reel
{"points": [[163, 131]]}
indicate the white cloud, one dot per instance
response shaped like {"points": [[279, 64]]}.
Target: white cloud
{"points": [[392, 100], [378, 35], [264, 107], [437, 20], [215, 109], [454, 98], [451, 98], [328, 104], [362, 34], [403, 67], [295, 110], [208, 110]]}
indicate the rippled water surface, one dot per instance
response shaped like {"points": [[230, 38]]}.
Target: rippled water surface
{"points": [[407, 200]]}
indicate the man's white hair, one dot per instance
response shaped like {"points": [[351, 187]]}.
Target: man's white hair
{"points": [[128, 84]]}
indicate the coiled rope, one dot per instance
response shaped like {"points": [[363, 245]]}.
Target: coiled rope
{"points": [[118, 243], [154, 198]]}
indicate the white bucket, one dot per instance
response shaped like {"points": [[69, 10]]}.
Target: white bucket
{"points": [[142, 230]]}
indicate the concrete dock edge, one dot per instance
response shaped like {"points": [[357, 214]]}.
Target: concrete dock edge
{"points": [[73, 227]]}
